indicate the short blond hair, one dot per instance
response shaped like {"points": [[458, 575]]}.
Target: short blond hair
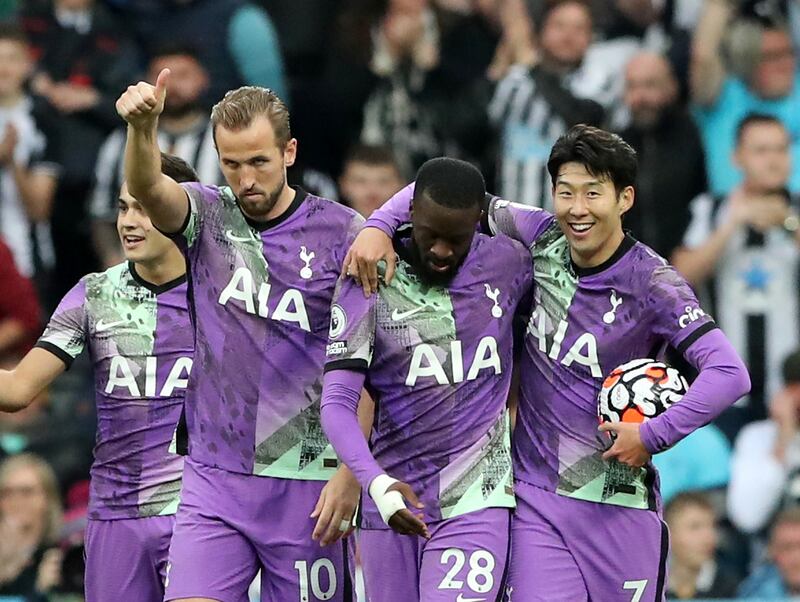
{"points": [[48, 482], [240, 107]]}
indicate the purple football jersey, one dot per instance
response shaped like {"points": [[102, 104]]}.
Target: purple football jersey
{"points": [[140, 341], [260, 294], [438, 362], [584, 323]]}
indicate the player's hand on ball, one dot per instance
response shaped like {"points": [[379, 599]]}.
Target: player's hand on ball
{"points": [[335, 507], [405, 521], [628, 447], [142, 103], [361, 262]]}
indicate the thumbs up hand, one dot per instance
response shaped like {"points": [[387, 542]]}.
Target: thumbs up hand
{"points": [[142, 103]]}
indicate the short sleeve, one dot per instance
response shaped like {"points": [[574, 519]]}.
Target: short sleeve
{"points": [[700, 226], [675, 312], [65, 335], [351, 337], [523, 223], [200, 198]]}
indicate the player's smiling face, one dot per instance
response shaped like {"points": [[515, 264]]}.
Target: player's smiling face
{"points": [[589, 211], [441, 239], [141, 242], [254, 166]]}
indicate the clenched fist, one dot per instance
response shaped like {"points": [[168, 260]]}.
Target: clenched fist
{"points": [[141, 104]]}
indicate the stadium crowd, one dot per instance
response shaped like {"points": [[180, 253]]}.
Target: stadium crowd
{"points": [[706, 91]]}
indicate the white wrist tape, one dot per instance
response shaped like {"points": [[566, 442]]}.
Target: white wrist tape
{"points": [[388, 502]]}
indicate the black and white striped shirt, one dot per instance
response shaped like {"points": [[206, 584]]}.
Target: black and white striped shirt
{"points": [[754, 296], [531, 108], [195, 146]]}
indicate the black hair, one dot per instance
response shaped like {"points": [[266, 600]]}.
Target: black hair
{"points": [[175, 49], [752, 119], [451, 183], [178, 169], [602, 153], [12, 32], [552, 5], [791, 368]]}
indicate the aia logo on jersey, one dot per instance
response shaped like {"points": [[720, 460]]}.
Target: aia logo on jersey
{"points": [[127, 374], [256, 301], [691, 314]]}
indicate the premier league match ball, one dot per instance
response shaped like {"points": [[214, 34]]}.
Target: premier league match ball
{"points": [[638, 390]]}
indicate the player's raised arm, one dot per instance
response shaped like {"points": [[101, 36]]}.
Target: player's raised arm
{"points": [[166, 202], [20, 386]]}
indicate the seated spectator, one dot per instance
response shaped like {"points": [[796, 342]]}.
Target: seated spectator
{"points": [[765, 470], [743, 252], [30, 521], [28, 165], [184, 131], [699, 462], [765, 80], [693, 571], [370, 177], [20, 316], [778, 579], [663, 133]]}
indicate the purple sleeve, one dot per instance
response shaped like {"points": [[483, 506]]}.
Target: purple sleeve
{"points": [[341, 390], [65, 335], [523, 223], [723, 379], [393, 213]]}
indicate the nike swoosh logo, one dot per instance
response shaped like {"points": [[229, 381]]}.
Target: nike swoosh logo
{"points": [[231, 236], [103, 326], [461, 598], [398, 315]]}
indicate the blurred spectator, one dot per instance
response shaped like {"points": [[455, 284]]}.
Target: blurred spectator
{"points": [[405, 55], [742, 251], [662, 133], [391, 80], [779, 579], [693, 570], [84, 61], [20, 316], [765, 470], [763, 79], [236, 42], [370, 177], [30, 520], [184, 131], [28, 167], [546, 91], [699, 462]]}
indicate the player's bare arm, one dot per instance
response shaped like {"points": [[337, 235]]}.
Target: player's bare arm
{"points": [[165, 201], [20, 386]]}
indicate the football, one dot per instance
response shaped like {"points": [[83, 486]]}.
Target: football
{"points": [[638, 390]]}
